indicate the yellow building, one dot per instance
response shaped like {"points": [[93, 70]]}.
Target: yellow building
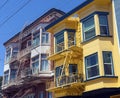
{"points": [[86, 51]]}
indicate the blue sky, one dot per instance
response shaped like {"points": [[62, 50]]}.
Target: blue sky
{"points": [[33, 10]]}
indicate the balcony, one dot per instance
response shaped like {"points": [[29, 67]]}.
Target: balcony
{"points": [[24, 52], [67, 80], [71, 85]]}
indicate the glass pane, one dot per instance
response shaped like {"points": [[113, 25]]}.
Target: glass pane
{"points": [[88, 24], [89, 34], [71, 38], [59, 42], [103, 30], [108, 69], [93, 71], [72, 68], [107, 57], [91, 60], [103, 20]]}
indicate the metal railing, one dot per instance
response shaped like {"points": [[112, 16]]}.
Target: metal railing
{"points": [[65, 80], [24, 52], [60, 47]]}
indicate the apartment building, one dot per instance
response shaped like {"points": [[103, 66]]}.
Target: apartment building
{"points": [[26, 69], [86, 51]]}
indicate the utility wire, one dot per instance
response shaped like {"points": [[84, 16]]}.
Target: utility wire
{"points": [[15, 13], [3, 4]]}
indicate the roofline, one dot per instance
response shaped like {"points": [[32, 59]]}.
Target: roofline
{"points": [[46, 13], [69, 13]]}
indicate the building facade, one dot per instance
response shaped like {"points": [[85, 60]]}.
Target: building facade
{"points": [[27, 71], [86, 51]]}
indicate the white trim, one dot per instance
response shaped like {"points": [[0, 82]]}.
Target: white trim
{"points": [[115, 23]]}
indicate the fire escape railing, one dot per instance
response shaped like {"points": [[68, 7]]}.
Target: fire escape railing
{"points": [[65, 80]]}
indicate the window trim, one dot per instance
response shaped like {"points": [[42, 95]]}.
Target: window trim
{"points": [[92, 66]]}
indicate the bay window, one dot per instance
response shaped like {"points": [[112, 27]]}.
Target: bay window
{"points": [[89, 28]]}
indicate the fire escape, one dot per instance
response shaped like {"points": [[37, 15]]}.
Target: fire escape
{"points": [[69, 82]]}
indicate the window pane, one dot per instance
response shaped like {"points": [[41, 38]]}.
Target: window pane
{"points": [[93, 71], [36, 39], [58, 71], [71, 38], [92, 68], [45, 38], [89, 28], [72, 68], [108, 69], [35, 64], [103, 25], [41, 95], [107, 57], [59, 42], [103, 20], [91, 60], [108, 64]]}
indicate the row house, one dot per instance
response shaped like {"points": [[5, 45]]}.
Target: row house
{"points": [[27, 71], [86, 51]]}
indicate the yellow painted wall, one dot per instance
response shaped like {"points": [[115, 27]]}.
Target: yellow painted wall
{"points": [[97, 44]]}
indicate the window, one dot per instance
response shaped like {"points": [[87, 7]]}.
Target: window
{"points": [[6, 76], [28, 43], [73, 68], [49, 95], [8, 54], [92, 67], [15, 52], [36, 39], [108, 63], [35, 64], [45, 38], [59, 38], [71, 38], [103, 25], [58, 71], [88, 29], [44, 62], [41, 95], [13, 74]]}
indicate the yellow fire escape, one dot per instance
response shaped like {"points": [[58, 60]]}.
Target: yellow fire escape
{"points": [[68, 84]]}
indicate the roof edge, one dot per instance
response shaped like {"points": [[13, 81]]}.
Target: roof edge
{"points": [[69, 13], [51, 10]]}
